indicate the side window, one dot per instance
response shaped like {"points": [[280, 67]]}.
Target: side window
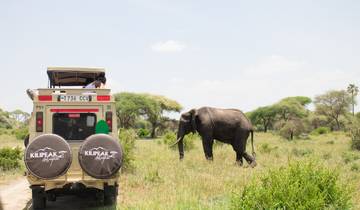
{"points": [[74, 126]]}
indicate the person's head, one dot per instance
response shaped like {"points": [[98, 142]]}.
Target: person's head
{"points": [[97, 83], [102, 80]]}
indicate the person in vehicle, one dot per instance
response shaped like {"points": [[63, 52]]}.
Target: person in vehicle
{"points": [[98, 83]]}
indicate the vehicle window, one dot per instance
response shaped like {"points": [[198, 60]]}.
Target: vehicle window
{"points": [[74, 126]]}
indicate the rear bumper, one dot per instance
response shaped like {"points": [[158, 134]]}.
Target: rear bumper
{"points": [[68, 179]]}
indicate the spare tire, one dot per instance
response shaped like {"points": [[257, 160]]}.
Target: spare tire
{"points": [[48, 156], [100, 156]]}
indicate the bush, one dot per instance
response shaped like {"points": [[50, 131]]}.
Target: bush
{"points": [[355, 135], [320, 131], [298, 186], [127, 141], [143, 133], [291, 129], [10, 158], [21, 133], [170, 138]]}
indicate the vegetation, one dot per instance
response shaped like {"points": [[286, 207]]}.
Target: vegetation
{"points": [[189, 140], [161, 181], [353, 90], [127, 140], [10, 158], [134, 106], [297, 186]]}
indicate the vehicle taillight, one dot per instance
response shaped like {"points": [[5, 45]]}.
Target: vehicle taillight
{"points": [[45, 97], [109, 120], [103, 98], [39, 122]]}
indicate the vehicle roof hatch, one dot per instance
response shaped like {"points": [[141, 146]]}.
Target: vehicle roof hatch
{"points": [[73, 76]]}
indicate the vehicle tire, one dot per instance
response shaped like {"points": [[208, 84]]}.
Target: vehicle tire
{"points": [[100, 156], [48, 156], [38, 198], [110, 195]]}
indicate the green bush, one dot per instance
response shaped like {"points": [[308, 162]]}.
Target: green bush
{"points": [[143, 133], [355, 136], [10, 158], [170, 138], [320, 131], [127, 141], [21, 133], [298, 186]]}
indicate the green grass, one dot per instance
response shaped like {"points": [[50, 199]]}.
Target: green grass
{"points": [[161, 181]]}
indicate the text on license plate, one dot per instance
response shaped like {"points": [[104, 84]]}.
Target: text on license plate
{"points": [[74, 98]]}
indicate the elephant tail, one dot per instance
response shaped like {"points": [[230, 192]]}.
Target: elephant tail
{"points": [[252, 143]]}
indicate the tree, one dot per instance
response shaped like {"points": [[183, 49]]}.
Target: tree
{"points": [[353, 90], [333, 104], [263, 116], [131, 106], [292, 107], [156, 107]]}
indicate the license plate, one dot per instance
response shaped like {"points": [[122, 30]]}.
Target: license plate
{"points": [[74, 98]]}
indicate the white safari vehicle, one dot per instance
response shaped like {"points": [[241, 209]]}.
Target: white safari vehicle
{"points": [[72, 145]]}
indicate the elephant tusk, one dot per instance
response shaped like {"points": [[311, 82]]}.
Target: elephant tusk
{"points": [[177, 141]]}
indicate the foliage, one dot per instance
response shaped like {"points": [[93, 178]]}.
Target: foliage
{"points": [[127, 140], [5, 121], [292, 107], [298, 186], [266, 148], [21, 133], [333, 104], [189, 140], [143, 133], [320, 131], [349, 157], [300, 152], [10, 158], [353, 90], [131, 106], [292, 128], [263, 117]]}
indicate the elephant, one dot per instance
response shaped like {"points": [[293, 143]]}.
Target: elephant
{"points": [[230, 126]]}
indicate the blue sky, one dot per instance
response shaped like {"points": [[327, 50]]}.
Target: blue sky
{"points": [[238, 54]]}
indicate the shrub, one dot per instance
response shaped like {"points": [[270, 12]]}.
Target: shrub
{"points": [[143, 133], [21, 133], [355, 136], [298, 186], [127, 141], [320, 131], [10, 158], [291, 129], [170, 138]]}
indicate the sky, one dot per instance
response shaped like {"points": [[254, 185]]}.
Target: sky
{"points": [[230, 54]]}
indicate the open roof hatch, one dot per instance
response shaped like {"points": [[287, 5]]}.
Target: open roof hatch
{"points": [[73, 76]]}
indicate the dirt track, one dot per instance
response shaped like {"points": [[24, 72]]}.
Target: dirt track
{"points": [[17, 196]]}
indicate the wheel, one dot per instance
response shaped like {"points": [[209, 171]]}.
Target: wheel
{"points": [[38, 198], [110, 195]]}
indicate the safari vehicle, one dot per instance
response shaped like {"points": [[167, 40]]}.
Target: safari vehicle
{"points": [[73, 146]]}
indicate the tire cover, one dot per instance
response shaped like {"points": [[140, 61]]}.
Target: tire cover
{"points": [[100, 156], [48, 156]]}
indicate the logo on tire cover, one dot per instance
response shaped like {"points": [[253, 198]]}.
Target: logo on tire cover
{"points": [[48, 155], [100, 154]]}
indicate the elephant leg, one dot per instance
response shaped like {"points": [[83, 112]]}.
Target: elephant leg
{"points": [[207, 145], [239, 157], [250, 159]]}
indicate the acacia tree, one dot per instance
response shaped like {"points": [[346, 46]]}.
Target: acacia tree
{"points": [[333, 104], [131, 106], [263, 116], [353, 90]]}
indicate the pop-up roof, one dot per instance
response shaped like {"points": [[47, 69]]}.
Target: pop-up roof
{"points": [[73, 76]]}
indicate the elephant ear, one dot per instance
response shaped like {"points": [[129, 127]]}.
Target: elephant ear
{"points": [[194, 114]]}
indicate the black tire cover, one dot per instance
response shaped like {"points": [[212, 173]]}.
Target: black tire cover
{"points": [[100, 156], [48, 156]]}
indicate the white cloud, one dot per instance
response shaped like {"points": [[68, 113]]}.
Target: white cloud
{"points": [[169, 46]]}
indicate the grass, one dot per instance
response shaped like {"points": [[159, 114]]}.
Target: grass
{"points": [[161, 181]]}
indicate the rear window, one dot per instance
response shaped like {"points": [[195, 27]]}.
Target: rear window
{"points": [[74, 126]]}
